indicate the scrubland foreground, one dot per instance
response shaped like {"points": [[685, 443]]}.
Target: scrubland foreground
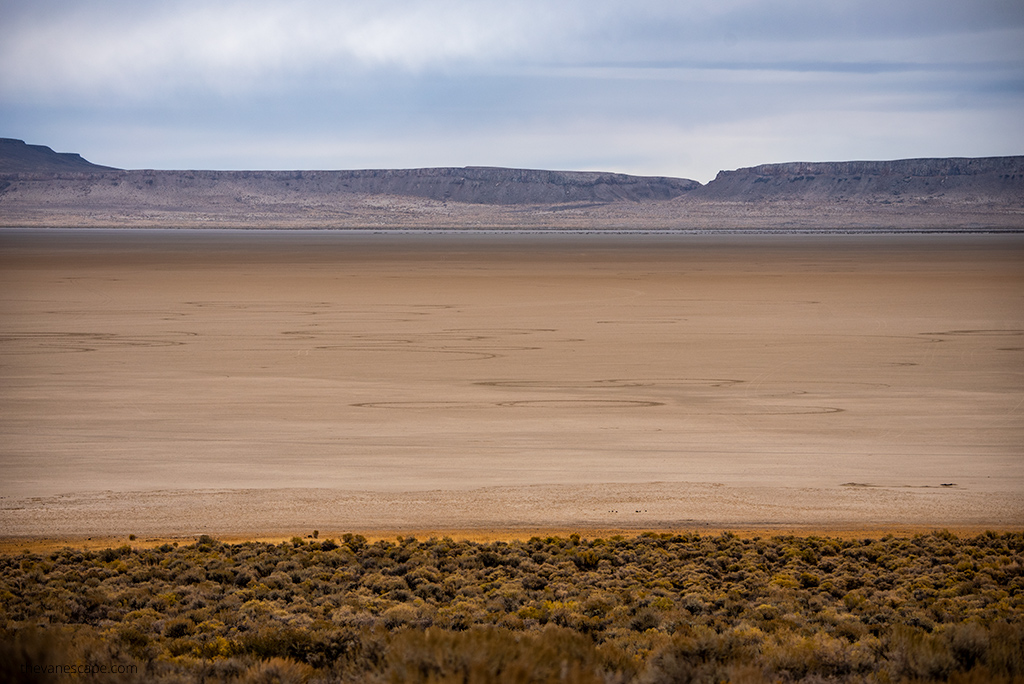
{"points": [[654, 608]]}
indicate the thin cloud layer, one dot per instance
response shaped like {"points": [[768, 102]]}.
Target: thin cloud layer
{"points": [[132, 50], [679, 88]]}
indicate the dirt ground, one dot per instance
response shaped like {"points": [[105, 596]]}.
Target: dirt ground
{"points": [[172, 383]]}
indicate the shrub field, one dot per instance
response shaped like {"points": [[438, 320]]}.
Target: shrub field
{"points": [[647, 609]]}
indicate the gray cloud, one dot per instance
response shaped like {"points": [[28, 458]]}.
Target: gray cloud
{"points": [[643, 86]]}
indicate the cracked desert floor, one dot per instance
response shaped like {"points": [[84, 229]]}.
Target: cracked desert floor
{"points": [[244, 382]]}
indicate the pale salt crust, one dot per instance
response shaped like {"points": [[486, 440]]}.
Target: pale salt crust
{"points": [[188, 382]]}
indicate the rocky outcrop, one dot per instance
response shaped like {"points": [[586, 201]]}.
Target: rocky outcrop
{"points": [[469, 185], [981, 178], [474, 184], [492, 185], [39, 187], [957, 179], [18, 157]]}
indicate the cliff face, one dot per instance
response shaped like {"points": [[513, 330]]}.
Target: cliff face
{"points": [[470, 185], [18, 157], [39, 187], [477, 185], [998, 179], [951, 178]]}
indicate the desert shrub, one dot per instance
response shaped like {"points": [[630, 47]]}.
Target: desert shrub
{"points": [[1005, 652], [645, 619], [494, 654], [31, 654], [674, 607], [912, 652], [178, 627], [276, 671]]}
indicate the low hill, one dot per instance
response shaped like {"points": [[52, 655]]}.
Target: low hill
{"points": [[40, 187], [998, 178], [494, 185], [18, 157], [473, 185]]}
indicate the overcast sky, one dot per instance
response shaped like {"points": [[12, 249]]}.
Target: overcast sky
{"points": [[655, 87]]}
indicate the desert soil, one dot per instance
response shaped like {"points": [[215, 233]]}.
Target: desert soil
{"points": [[243, 383]]}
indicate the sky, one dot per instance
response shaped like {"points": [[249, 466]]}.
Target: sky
{"points": [[652, 87]]}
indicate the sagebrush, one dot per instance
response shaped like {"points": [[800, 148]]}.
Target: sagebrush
{"points": [[653, 608]]}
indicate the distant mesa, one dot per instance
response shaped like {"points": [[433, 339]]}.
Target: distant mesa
{"points": [[472, 184], [829, 181], [40, 187], [982, 176], [18, 157], [496, 185]]}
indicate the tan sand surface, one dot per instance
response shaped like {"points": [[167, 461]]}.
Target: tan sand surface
{"points": [[186, 382]]}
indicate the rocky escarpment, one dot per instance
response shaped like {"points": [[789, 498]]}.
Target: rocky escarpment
{"points": [[999, 179], [487, 186], [474, 185], [18, 157], [978, 179], [492, 185], [39, 187]]}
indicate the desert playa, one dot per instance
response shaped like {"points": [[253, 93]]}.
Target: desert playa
{"points": [[162, 382]]}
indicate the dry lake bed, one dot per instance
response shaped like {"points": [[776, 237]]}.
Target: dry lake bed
{"points": [[251, 382]]}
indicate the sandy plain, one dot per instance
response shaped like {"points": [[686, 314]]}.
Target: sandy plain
{"points": [[174, 383]]}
